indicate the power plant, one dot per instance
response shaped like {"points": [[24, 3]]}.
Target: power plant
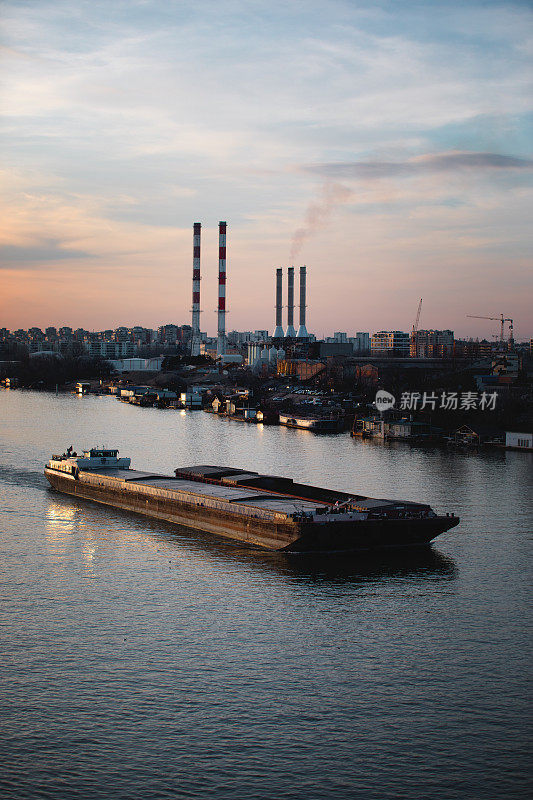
{"points": [[290, 333], [279, 332]]}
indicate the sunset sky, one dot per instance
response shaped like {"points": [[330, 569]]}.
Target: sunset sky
{"points": [[386, 145]]}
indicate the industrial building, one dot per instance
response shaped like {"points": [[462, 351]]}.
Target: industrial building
{"points": [[260, 356], [302, 368]]}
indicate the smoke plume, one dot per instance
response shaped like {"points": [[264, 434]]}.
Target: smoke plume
{"points": [[318, 214]]}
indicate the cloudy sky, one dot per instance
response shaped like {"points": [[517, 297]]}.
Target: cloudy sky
{"points": [[386, 145]]}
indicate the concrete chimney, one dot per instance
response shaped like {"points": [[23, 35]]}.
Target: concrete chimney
{"points": [[278, 333], [221, 341], [290, 333], [302, 330], [195, 339]]}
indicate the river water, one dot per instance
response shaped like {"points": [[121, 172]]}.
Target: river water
{"points": [[143, 660]]}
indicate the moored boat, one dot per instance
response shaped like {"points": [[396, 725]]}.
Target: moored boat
{"points": [[321, 424]]}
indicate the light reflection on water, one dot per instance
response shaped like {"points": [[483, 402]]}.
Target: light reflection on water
{"points": [[182, 665], [91, 523]]}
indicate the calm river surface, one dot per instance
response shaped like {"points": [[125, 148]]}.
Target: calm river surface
{"points": [[140, 660]]}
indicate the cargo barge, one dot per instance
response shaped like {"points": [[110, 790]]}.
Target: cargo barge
{"points": [[261, 510]]}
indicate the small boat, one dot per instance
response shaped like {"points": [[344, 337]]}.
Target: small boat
{"points": [[317, 424]]}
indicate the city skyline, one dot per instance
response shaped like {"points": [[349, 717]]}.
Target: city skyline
{"points": [[386, 149]]}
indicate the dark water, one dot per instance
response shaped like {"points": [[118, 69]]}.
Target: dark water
{"points": [[141, 660]]}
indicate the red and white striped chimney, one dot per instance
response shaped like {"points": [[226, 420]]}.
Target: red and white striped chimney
{"points": [[195, 339], [221, 341]]}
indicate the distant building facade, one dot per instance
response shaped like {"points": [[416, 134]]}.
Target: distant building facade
{"points": [[390, 343], [432, 344], [472, 348], [360, 343], [137, 364], [111, 350], [238, 338]]}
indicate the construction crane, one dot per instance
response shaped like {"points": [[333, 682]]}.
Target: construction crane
{"points": [[502, 320], [414, 332]]}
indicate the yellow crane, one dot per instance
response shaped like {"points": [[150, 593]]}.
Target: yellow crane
{"points": [[414, 332], [502, 320]]}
